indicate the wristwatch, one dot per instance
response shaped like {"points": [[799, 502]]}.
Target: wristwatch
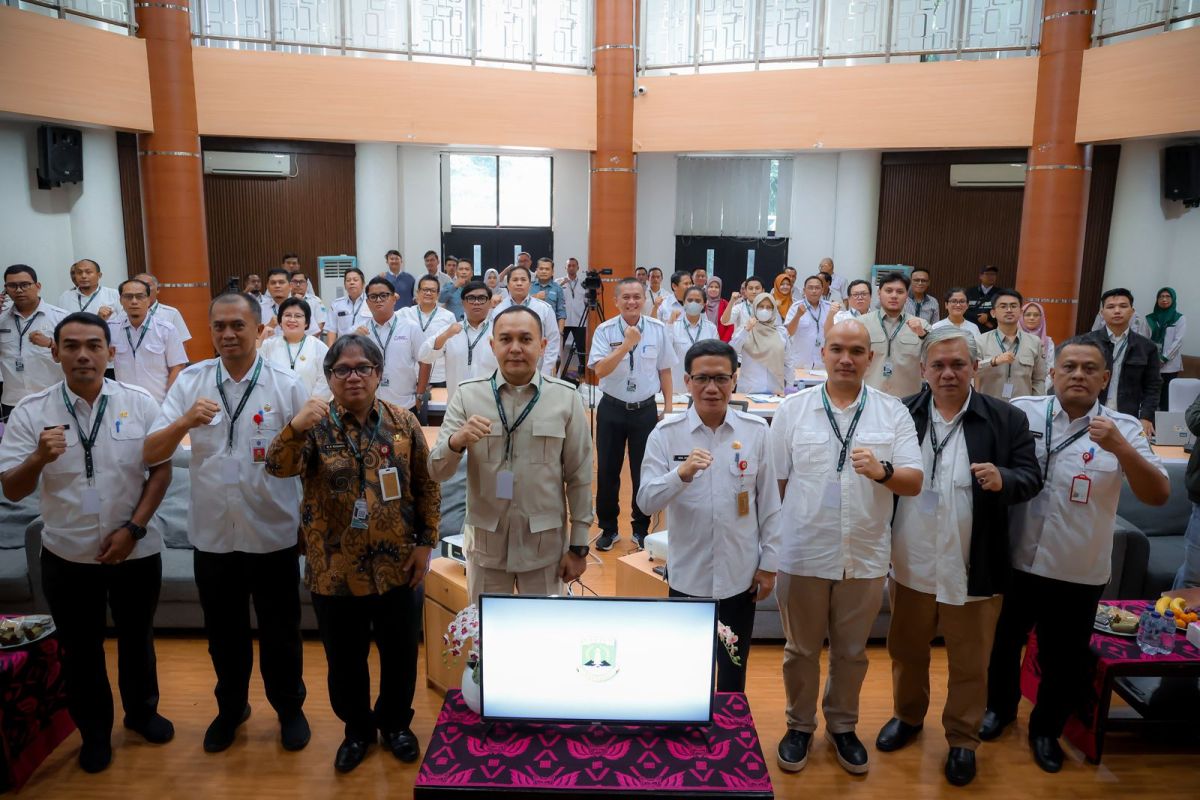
{"points": [[136, 531], [580, 550], [888, 472]]}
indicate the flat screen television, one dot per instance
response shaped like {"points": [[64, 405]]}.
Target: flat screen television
{"points": [[598, 659]]}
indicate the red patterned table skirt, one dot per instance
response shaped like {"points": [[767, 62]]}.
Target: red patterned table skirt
{"points": [[33, 709], [612, 761]]}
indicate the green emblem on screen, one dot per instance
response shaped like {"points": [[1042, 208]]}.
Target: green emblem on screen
{"points": [[598, 660]]}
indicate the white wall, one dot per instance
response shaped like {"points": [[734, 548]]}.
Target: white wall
{"points": [[398, 195], [1153, 242], [51, 229], [834, 212]]}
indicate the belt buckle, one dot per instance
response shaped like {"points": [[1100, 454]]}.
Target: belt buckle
{"points": [[633, 406]]}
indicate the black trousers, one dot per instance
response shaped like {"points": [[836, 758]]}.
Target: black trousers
{"points": [[347, 625], [1164, 397], [616, 428], [578, 339], [227, 582], [79, 595], [1062, 613], [738, 613]]}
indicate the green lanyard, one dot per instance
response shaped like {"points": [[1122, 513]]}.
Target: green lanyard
{"points": [[79, 299], [508, 432], [359, 453], [471, 345], [1119, 353], [815, 313], [425, 323], [142, 335], [688, 330], [1004, 348], [292, 358], [89, 442], [849, 437], [1070, 439], [933, 440], [894, 333], [383, 342], [233, 415], [641, 329], [22, 331]]}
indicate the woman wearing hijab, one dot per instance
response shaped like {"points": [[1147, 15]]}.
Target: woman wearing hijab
{"points": [[1167, 327], [762, 343], [1033, 320], [492, 279], [714, 307], [692, 326], [782, 294]]}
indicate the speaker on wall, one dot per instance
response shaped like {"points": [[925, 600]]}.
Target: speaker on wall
{"points": [[1181, 174], [60, 156]]}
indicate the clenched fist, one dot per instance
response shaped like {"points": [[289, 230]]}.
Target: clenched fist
{"points": [[866, 464], [914, 324], [632, 337], [52, 443], [697, 460], [40, 339], [471, 432], [1004, 358], [201, 413], [310, 414]]}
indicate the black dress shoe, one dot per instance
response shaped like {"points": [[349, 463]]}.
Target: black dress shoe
{"points": [[350, 754], [895, 734], [157, 729], [222, 730], [960, 766], [294, 731], [403, 744], [95, 756], [993, 725], [1046, 752], [850, 751], [792, 753]]}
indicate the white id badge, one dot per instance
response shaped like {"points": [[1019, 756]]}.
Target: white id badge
{"points": [[258, 449], [1007, 391], [389, 484], [832, 496], [90, 502], [1081, 489], [504, 484], [230, 471], [927, 502]]}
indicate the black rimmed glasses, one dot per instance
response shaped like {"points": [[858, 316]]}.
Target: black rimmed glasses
{"points": [[704, 380], [362, 370]]}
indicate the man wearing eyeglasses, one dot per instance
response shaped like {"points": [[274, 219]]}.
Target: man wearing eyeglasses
{"points": [[711, 467], [148, 351], [430, 319], [241, 520], [465, 348], [404, 379], [529, 470], [370, 520], [1011, 362], [26, 333]]}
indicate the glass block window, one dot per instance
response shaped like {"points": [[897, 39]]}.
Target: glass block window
{"points": [[377, 24], [668, 28], [922, 25], [855, 26], [726, 30], [309, 22], [562, 27], [440, 27], [1001, 23], [789, 28], [505, 32]]}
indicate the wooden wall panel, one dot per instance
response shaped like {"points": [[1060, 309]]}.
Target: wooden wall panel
{"points": [[252, 222], [131, 202], [925, 222]]}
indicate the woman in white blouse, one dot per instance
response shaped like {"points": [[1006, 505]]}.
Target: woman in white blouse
{"points": [[761, 341], [292, 350], [691, 327], [956, 308]]}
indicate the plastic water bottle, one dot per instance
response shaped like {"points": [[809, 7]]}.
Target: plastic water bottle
{"points": [[1147, 632], [1167, 639]]}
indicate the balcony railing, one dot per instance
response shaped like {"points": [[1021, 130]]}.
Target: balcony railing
{"points": [[672, 35]]}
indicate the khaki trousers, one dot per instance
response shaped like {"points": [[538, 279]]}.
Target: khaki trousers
{"points": [[968, 630], [813, 609], [541, 581]]}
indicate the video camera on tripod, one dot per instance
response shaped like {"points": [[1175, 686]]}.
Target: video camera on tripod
{"points": [[592, 282]]}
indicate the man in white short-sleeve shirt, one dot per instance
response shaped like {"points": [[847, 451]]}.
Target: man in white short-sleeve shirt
{"points": [[465, 348], [88, 294], [149, 353], [163, 311], [26, 335], [842, 451]]}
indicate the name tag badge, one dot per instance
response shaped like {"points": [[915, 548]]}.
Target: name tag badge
{"points": [[389, 484], [18, 365], [90, 501], [743, 500], [385, 381], [1081, 489], [887, 368], [358, 517], [927, 502], [504, 484], [630, 385], [832, 496], [680, 458], [258, 449], [230, 471], [1007, 391]]}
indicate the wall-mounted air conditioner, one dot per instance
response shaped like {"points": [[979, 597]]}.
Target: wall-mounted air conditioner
{"points": [[260, 165], [332, 270], [987, 176]]}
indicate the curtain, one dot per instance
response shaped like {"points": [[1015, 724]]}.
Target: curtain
{"points": [[731, 197]]}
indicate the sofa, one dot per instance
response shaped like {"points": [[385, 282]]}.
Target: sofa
{"points": [[1162, 528]]}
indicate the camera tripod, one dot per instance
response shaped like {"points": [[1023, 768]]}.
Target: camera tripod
{"points": [[593, 309]]}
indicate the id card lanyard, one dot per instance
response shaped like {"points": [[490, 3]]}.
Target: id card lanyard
{"points": [[471, 345], [292, 359], [19, 365], [937, 446], [887, 362], [235, 414], [141, 335], [1051, 452], [88, 442], [79, 299], [849, 437], [384, 343], [358, 518], [509, 431], [425, 323]]}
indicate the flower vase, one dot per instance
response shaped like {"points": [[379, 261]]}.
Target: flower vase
{"points": [[470, 689]]}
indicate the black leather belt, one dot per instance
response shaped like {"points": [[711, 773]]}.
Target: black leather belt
{"points": [[638, 406]]}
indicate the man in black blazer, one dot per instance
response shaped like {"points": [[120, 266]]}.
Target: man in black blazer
{"points": [[1136, 381], [950, 547]]}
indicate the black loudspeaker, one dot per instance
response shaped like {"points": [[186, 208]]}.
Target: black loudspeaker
{"points": [[60, 156], [1181, 174]]}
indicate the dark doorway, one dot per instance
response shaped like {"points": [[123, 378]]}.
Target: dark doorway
{"points": [[496, 245], [731, 256]]}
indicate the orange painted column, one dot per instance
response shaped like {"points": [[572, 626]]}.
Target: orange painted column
{"points": [[613, 217], [1059, 175], [171, 172]]}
